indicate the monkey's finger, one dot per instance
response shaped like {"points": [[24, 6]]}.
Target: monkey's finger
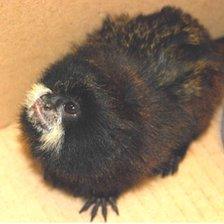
{"points": [[87, 205], [95, 209], [113, 205], [104, 209]]}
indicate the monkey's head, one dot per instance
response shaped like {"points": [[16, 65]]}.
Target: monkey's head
{"points": [[79, 107], [59, 107], [49, 111]]}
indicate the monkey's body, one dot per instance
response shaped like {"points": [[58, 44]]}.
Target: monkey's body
{"points": [[146, 87]]}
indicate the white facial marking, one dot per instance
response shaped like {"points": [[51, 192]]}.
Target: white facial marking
{"points": [[53, 138], [36, 92]]}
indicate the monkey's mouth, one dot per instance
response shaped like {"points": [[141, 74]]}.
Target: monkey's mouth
{"points": [[41, 117]]}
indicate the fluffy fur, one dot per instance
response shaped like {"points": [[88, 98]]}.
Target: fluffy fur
{"points": [[146, 87], [51, 139], [36, 92]]}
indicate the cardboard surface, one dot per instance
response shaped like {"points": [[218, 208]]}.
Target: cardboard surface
{"points": [[195, 193], [34, 34]]}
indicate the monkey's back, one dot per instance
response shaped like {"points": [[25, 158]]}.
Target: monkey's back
{"points": [[176, 54]]}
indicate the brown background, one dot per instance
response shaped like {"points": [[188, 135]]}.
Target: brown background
{"points": [[36, 33]]}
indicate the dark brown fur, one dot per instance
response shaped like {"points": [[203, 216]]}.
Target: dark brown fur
{"points": [[148, 86]]}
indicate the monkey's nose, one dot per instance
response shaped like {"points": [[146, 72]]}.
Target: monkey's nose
{"points": [[50, 101]]}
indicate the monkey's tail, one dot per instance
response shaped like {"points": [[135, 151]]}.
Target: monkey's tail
{"points": [[220, 40], [219, 55], [219, 45]]}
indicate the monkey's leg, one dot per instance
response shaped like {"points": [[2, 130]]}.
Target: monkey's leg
{"points": [[171, 166], [102, 202]]}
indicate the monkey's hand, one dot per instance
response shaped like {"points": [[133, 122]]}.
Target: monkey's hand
{"points": [[102, 202]]}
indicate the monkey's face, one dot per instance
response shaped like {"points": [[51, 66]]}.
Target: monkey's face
{"points": [[48, 111]]}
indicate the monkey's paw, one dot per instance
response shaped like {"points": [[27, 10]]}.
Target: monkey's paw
{"points": [[171, 167], [168, 168], [100, 202]]}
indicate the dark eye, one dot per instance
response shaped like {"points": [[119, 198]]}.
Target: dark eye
{"points": [[70, 108]]}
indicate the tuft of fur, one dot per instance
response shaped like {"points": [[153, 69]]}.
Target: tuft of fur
{"points": [[50, 140], [36, 92], [53, 139], [147, 87]]}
